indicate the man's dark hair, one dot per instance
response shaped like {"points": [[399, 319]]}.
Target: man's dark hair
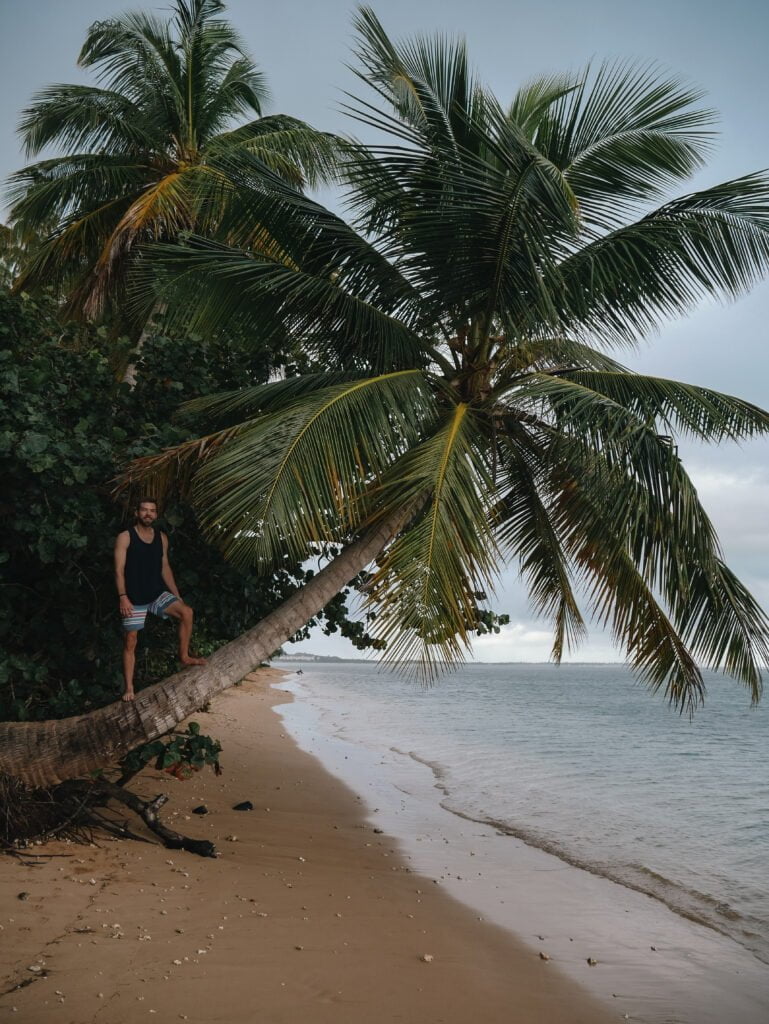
{"points": [[145, 501]]}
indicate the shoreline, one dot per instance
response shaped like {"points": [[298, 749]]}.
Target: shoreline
{"points": [[656, 964], [309, 913]]}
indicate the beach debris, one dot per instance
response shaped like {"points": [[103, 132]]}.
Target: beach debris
{"points": [[244, 805], [202, 809], [231, 839], [177, 963], [427, 958], [653, 949], [35, 968], [591, 961], [300, 948], [23, 896], [302, 859], [544, 956], [379, 831]]}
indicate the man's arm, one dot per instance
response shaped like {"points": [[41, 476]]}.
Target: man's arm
{"points": [[121, 548], [165, 572]]}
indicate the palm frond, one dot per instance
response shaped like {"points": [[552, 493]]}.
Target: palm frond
{"points": [[623, 135], [48, 193], [713, 243], [303, 474], [630, 520], [227, 408], [291, 148], [429, 582], [135, 55], [684, 409], [526, 528], [67, 256], [725, 625], [427, 80], [556, 355], [533, 100], [345, 327], [619, 403], [79, 117]]}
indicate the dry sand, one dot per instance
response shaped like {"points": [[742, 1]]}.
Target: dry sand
{"points": [[308, 915]]}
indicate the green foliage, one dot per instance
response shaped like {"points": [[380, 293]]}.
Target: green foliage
{"points": [[145, 154], [185, 753], [66, 428]]}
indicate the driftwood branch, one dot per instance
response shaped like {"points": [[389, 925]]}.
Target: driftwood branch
{"points": [[147, 810]]}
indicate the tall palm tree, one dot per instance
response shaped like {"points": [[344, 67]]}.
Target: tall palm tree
{"points": [[143, 151], [471, 412]]}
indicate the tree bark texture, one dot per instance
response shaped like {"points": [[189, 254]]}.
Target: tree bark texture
{"points": [[129, 376], [42, 754]]}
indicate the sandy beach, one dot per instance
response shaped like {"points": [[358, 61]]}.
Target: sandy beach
{"points": [[308, 914]]}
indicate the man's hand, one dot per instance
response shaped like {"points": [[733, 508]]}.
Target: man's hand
{"points": [[126, 608]]}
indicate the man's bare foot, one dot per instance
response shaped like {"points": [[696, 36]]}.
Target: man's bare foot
{"points": [[190, 660], [129, 695]]}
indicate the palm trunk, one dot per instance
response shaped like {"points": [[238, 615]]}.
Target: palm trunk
{"points": [[129, 376], [46, 753]]}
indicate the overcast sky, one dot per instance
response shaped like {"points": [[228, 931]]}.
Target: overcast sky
{"points": [[303, 45]]}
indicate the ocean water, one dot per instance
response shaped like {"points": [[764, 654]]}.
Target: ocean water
{"points": [[582, 761]]}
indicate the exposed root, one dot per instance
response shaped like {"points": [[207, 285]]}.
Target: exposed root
{"points": [[72, 811], [148, 812], [31, 815]]}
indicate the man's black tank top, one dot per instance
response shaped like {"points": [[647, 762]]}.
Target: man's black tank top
{"points": [[143, 568]]}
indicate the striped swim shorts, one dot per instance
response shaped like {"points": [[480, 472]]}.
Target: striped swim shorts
{"points": [[158, 607]]}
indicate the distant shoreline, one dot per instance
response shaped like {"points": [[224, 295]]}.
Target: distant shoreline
{"points": [[330, 659]]}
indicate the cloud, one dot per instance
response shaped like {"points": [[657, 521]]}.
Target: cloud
{"points": [[528, 641], [738, 504]]}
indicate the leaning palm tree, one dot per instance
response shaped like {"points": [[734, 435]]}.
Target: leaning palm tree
{"points": [[470, 411], [143, 152]]}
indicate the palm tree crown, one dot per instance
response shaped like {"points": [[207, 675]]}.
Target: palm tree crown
{"points": [[143, 151], [497, 254]]}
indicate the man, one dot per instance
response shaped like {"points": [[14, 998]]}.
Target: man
{"points": [[145, 583]]}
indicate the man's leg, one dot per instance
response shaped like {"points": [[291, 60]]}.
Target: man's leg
{"points": [[183, 615], [130, 639]]}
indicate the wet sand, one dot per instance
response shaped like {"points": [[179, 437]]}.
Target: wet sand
{"points": [[309, 914]]}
